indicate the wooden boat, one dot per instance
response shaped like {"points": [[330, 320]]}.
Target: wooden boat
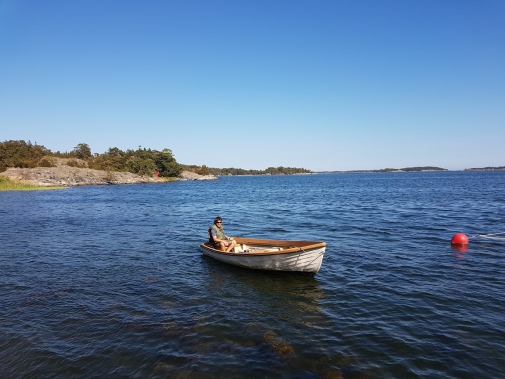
{"points": [[276, 255]]}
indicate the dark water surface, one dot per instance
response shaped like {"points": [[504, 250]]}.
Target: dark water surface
{"points": [[107, 281]]}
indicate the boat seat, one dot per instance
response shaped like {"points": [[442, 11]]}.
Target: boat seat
{"points": [[240, 248]]}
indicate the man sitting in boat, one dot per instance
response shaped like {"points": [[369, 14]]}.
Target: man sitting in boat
{"points": [[218, 239]]}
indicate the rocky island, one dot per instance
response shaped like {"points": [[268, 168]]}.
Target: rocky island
{"points": [[31, 165], [61, 174]]}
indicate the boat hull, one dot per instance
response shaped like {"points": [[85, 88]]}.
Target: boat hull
{"points": [[274, 255]]}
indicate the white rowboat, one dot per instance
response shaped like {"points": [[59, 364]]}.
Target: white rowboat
{"points": [[276, 255]]}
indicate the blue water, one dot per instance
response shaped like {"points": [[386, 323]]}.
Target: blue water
{"points": [[107, 281]]}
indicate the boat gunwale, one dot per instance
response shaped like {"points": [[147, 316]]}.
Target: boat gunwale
{"points": [[299, 246]]}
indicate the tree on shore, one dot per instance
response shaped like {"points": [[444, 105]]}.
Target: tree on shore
{"points": [[82, 151], [140, 161], [20, 154]]}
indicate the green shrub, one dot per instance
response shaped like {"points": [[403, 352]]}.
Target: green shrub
{"points": [[76, 163], [140, 166], [45, 162]]}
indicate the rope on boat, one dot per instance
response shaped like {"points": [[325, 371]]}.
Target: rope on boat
{"points": [[301, 248], [298, 256], [491, 236]]}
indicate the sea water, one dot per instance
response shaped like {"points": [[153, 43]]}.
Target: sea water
{"points": [[108, 281]]}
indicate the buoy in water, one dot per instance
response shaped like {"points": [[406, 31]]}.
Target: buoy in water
{"points": [[459, 239]]}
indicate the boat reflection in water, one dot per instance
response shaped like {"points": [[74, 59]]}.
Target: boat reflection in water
{"points": [[266, 298]]}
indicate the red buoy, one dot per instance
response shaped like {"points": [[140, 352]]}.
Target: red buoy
{"points": [[459, 239]]}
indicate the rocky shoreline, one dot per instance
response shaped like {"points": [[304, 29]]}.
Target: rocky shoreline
{"points": [[64, 175], [188, 175]]}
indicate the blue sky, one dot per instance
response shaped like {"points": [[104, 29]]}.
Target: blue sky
{"points": [[324, 85]]}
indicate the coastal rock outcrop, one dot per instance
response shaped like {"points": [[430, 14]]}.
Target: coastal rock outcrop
{"points": [[64, 175], [188, 175], [73, 176]]}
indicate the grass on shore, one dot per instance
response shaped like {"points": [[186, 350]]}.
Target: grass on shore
{"points": [[169, 179], [8, 185]]}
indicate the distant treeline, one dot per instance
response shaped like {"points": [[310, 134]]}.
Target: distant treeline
{"points": [[412, 169], [405, 169], [204, 170], [141, 161], [486, 168]]}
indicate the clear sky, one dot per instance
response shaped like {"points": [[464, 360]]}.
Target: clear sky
{"points": [[319, 84]]}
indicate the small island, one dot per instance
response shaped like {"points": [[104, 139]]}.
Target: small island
{"points": [[486, 168], [405, 169]]}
